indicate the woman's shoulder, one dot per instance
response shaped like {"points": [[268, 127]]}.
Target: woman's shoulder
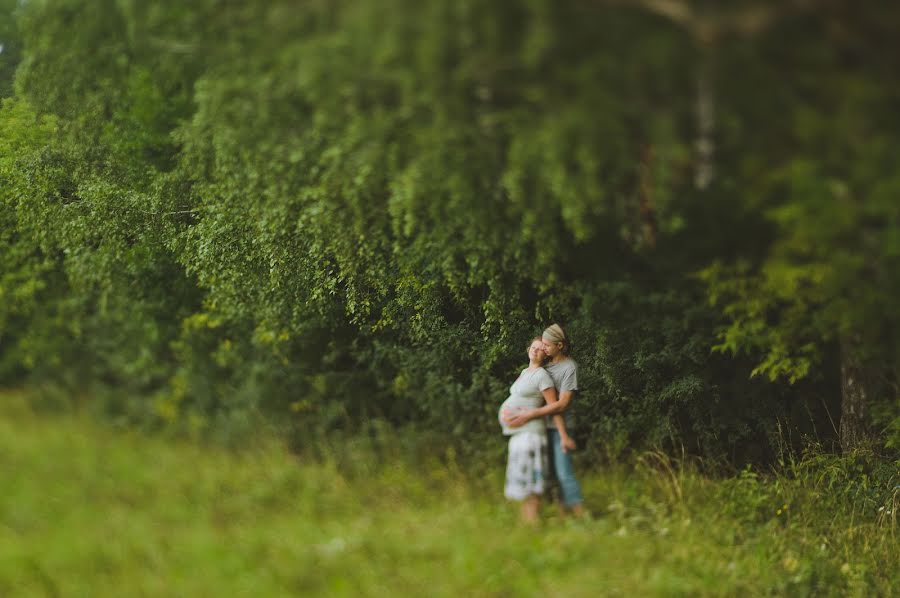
{"points": [[536, 370], [541, 372], [534, 373]]}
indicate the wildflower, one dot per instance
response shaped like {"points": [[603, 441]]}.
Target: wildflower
{"points": [[790, 563], [333, 546]]}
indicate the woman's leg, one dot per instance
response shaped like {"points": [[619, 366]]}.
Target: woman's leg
{"points": [[525, 471], [530, 508], [565, 473]]}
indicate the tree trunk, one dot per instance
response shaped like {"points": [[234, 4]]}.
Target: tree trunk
{"points": [[708, 24], [855, 383], [646, 209], [705, 109]]}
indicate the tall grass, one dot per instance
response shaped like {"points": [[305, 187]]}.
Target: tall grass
{"points": [[87, 510]]}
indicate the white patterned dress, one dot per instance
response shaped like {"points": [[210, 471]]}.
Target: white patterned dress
{"points": [[527, 461]]}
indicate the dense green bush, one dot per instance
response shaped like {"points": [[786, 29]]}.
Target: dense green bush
{"points": [[340, 211]]}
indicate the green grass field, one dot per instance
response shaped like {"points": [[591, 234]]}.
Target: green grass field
{"points": [[88, 510]]}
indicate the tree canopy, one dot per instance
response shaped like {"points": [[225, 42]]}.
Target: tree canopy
{"points": [[329, 211]]}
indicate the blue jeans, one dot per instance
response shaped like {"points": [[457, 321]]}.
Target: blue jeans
{"points": [[565, 471]]}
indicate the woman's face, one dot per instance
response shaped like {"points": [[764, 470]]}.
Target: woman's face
{"points": [[536, 352]]}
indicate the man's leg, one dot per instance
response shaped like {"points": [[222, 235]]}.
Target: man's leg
{"points": [[553, 492], [565, 472]]}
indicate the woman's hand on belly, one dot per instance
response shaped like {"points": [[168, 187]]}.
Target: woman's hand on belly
{"points": [[520, 418]]}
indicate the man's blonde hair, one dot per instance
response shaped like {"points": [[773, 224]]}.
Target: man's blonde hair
{"points": [[554, 333]]}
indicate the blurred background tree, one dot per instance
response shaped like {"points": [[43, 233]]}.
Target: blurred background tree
{"points": [[9, 46], [343, 210]]}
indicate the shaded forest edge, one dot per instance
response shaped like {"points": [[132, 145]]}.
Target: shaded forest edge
{"points": [[325, 215]]}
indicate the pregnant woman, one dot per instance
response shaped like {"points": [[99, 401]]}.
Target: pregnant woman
{"points": [[527, 462]]}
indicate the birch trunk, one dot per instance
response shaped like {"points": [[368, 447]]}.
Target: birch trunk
{"points": [[855, 383], [705, 109]]}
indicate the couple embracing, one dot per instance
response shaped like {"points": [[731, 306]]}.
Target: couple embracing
{"points": [[538, 417]]}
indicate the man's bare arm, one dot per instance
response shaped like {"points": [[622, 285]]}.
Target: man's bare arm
{"points": [[553, 408], [565, 397]]}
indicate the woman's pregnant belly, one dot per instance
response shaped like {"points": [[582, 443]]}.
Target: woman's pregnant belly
{"points": [[514, 405]]}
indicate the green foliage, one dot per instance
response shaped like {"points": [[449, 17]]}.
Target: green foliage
{"points": [[828, 274], [338, 211], [649, 378], [10, 49], [28, 276]]}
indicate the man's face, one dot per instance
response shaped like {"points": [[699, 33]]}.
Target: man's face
{"points": [[551, 349]]}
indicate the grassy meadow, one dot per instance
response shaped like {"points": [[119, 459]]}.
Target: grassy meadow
{"points": [[90, 510]]}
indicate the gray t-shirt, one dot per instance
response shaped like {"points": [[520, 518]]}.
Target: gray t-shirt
{"points": [[565, 377], [526, 393]]}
